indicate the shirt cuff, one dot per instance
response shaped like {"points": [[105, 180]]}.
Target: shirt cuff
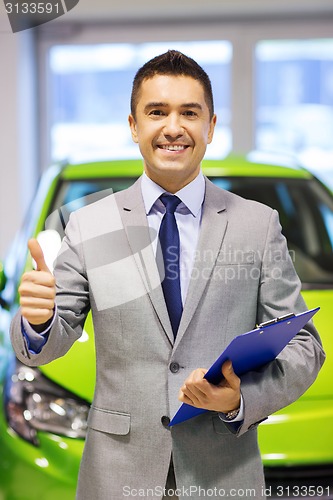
{"points": [[239, 417], [34, 339]]}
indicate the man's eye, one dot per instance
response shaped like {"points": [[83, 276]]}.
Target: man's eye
{"points": [[156, 112], [190, 113]]}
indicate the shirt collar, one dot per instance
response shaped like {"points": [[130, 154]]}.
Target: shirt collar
{"points": [[192, 195]]}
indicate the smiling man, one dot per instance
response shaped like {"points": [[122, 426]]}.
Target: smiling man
{"points": [[150, 347]]}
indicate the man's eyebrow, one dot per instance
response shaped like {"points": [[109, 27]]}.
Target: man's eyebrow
{"points": [[151, 105], [195, 105], [186, 105]]}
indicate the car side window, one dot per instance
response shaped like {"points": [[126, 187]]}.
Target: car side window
{"points": [[306, 216]]}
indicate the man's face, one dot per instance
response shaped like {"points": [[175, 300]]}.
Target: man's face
{"points": [[172, 127]]}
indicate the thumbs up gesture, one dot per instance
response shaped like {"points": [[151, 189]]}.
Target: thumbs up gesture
{"points": [[37, 289]]}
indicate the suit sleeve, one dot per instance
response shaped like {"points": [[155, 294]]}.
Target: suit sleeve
{"points": [[284, 380], [72, 301]]}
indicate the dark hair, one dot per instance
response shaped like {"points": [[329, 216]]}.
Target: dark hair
{"points": [[172, 63]]}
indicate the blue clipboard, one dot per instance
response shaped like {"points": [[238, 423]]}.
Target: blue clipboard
{"points": [[250, 351]]}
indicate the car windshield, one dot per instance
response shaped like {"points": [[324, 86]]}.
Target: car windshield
{"points": [[305, 209]]}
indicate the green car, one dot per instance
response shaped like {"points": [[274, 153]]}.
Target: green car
{"points": [[43, 416]]}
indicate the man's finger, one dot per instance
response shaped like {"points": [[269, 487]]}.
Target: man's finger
{"points": [[37, 254]]}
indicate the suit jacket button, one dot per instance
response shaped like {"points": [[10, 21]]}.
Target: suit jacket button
{"points": [[165, 421], [174, 367]]}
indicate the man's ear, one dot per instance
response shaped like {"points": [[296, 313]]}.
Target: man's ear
{"points": [[211, 129], [132, 124]]}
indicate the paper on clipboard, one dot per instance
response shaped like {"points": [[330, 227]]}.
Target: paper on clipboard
{"points": [[251, 350]]}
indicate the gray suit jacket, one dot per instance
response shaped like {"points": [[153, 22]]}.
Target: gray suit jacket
{"points": [[242, 275]]}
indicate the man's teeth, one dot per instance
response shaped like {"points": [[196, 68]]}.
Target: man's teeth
{"points": [[173, 147]]}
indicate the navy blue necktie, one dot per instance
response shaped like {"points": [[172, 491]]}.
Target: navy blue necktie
{"points": [[169, 240]]}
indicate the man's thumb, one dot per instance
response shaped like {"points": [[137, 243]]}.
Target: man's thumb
{"points": [[37, 254], [229, 374]]}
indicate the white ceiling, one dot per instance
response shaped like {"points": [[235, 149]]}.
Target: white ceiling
{"points": [[189, 9], [175, 10]]}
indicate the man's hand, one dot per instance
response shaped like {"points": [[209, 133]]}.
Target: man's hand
{"points": [[198, 392], [37, 289]]}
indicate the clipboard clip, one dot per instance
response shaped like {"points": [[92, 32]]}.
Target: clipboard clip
{"points": [[276, 320]]}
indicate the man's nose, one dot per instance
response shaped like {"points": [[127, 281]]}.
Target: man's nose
{"points": [[173, 125]]}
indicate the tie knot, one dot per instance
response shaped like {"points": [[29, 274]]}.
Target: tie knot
{"points": [[170, 201]]}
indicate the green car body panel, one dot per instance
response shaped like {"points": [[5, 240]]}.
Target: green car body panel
{"points": [[52, 467]]}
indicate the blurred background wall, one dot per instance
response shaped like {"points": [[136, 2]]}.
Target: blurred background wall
{"points": [[274, 61]]}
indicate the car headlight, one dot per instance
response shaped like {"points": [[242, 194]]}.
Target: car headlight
{"points": [[33, 402]]}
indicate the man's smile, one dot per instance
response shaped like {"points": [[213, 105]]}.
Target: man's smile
{"points": [[172, 147]]}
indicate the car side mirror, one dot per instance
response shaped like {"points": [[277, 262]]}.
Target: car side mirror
{"points": [[3, 281], [3, 278]]}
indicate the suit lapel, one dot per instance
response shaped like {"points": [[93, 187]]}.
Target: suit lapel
{"points": [[132, 211], [212, 231]]}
